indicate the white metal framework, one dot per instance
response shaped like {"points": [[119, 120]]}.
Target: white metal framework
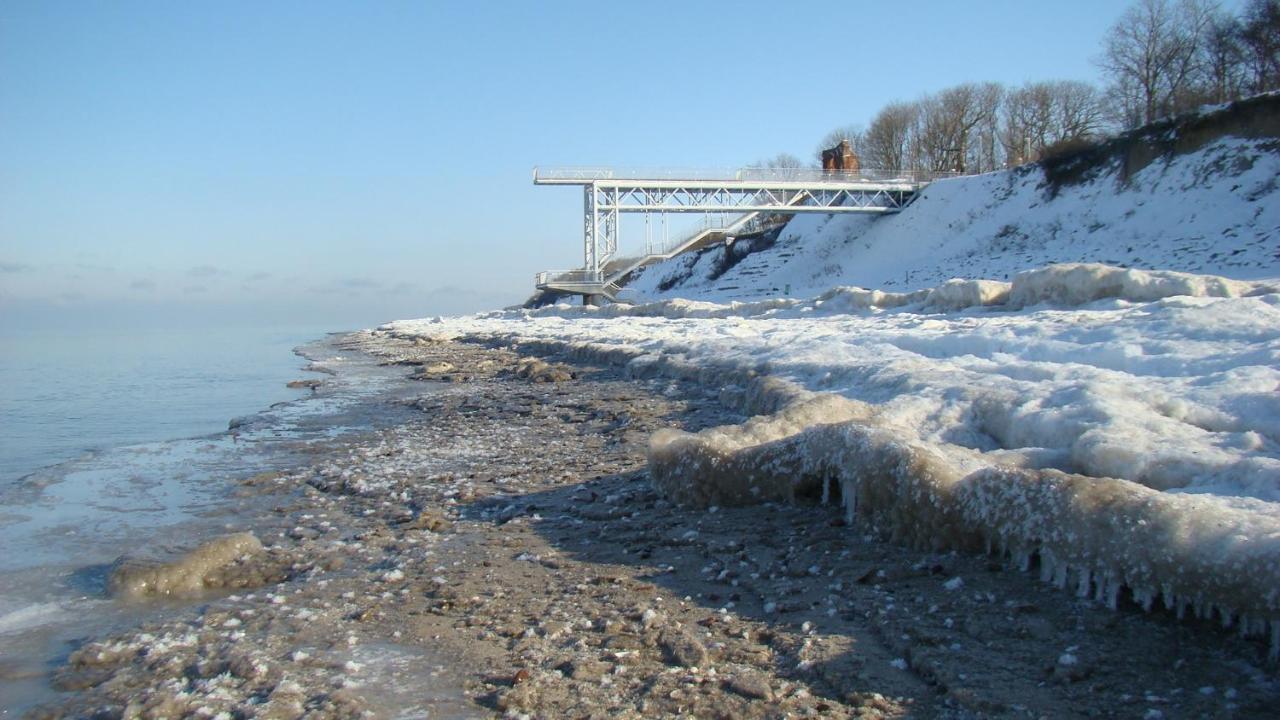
{"points": [[608, 192]]}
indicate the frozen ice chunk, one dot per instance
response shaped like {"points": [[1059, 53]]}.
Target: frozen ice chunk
{"points": [[1194, 552], [1080, 283], [187, 576]]}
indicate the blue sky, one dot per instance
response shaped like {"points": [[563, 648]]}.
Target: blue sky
{"points": [[369, 161]]}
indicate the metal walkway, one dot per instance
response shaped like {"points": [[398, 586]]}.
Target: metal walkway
{"points": [[752, 191]]}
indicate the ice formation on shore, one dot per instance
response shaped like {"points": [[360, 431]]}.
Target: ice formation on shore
{"points": [[1096, 535], [1079, 283], [187, 576], [1122, 427]]}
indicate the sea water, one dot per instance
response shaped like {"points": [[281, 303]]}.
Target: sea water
{"points": [[111, 444], [64, 393]]}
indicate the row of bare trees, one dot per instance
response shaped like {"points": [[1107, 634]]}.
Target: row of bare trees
{"points": [[976, 127], [1167, 56], [1161, 57]]}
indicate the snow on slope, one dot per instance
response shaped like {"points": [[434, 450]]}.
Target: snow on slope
{"points": [[1216, 210], [1121, 426]]}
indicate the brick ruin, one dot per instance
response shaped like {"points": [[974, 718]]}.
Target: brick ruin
{"points": [[840, 157]]}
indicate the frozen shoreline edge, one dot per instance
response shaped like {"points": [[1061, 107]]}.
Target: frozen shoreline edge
{"points": [[1149, 548]]}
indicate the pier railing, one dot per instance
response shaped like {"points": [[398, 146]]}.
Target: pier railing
{"points": [[574, 175]]}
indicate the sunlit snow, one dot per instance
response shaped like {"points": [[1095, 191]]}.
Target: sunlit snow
{"points": [[1118, 428]]}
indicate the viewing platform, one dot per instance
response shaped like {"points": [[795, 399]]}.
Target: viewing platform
{"points": [[756, 193]]}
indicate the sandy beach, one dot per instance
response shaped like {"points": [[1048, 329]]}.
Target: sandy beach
{"points": [[502, 553]]}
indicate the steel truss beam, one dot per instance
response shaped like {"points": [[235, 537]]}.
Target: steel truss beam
{"points": [[604, 198], [730, 199]]}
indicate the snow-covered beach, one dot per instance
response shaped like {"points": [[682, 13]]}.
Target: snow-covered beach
{"points": [[960, 402], [502, 551], [1012, 452]]}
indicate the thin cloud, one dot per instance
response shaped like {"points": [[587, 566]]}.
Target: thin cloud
{"points": [[94, 267], [195, 289], [14, 267], [346, 286], [451, 290], [204, 271], [143, 284]]}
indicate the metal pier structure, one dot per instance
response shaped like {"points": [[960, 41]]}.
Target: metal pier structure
{"points": [[757, 193]]}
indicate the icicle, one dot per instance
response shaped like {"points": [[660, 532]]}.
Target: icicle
{"points": [[1252, 626], [1046, 564], [1275, 641], [1083, 583], [1060, 575], [826, 490], [1024, 560]]}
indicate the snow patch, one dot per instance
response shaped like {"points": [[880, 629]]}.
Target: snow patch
{"points": [[1117, 428]]}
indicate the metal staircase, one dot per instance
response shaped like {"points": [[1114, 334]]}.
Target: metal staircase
{"points": [[608, 282]]}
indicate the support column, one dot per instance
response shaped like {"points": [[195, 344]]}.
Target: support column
{"points": [[611, 239], [589, 255]]}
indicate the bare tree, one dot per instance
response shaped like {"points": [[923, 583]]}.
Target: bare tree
{"points": [[1260, 40], [1079, 111], [934, 138], [1123, 103], [1223, 59], [782, 165], [955, 129], [987, 153], [887, 142], [1152, 54], [1044, 114], [1028, 119], [783, 161]]}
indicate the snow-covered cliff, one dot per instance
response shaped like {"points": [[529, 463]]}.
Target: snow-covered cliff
{"points": [[1199, 194]]}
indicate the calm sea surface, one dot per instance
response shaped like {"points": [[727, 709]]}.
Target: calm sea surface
{"points": [[65, 394]]}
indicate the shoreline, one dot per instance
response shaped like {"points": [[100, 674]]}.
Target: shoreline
{"points": [[66, 524], [503, 553]]}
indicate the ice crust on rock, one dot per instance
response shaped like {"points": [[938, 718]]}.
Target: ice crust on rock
{"points": [[1096, 535], [185, 577], [1080, 283], [1063, 285], [709, 468]]}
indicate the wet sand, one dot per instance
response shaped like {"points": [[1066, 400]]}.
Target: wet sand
{"points": [[502, 553]]}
